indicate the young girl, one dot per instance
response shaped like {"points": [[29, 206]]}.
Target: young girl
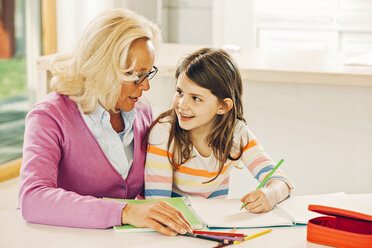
{"points": [[193, 147]]}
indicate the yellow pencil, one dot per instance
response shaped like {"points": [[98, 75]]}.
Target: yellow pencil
{"points": [[253, 236]]}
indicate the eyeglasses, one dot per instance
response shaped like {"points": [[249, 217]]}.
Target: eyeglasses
{"points": [[142, 77]]}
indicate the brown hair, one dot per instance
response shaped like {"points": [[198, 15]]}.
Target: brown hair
{"points": [[215, 70]]}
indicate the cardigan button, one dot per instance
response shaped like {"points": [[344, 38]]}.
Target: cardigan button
{"points": [[123, 187]]}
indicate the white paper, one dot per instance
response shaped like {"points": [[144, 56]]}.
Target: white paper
{"points": [[226, 213], [296, 207]]}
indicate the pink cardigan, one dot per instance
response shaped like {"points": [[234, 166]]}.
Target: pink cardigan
{"points": [[65, 173]]}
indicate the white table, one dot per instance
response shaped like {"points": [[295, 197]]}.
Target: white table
{"points": [[15, 232]]}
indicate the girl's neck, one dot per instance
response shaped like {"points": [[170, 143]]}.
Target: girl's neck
{"points": [[199, 141]]}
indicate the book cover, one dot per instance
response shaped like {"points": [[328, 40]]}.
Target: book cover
{"points": [[181, 203]]}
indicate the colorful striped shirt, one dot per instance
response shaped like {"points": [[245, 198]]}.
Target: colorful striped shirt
{"points": [[190, 177]]}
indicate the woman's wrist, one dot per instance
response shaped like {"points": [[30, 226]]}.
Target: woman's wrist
{"points": [[125, 214]]}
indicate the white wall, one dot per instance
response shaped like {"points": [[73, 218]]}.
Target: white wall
{"points": [[237, 27], [212, 22], [324, 133], [74, 15], [187, 21]]}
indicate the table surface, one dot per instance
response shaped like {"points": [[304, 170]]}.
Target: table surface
{"points": [[15, 232]]}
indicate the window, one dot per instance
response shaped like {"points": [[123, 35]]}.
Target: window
{"points": [[13, 79]]}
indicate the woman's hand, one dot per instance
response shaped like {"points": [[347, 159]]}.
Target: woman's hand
{"points": [[159, 216]]}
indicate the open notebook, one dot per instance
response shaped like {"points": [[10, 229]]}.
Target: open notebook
{"points": [[226, 213], [180, 203]]}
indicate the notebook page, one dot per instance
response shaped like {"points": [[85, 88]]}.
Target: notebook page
{"points": [[226, 213], [296, 207]]}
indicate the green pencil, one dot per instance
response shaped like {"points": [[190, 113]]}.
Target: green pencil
{"points": [[266, 178]]}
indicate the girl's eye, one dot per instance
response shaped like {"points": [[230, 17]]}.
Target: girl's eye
{"points": [[196, 99], [179, 92]]}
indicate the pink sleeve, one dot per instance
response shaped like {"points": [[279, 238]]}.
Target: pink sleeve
{"points": [[40, 199]]}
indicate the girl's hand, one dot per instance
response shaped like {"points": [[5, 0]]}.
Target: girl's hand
{"points": [[264, 199], [159, 216], [257, 202]]}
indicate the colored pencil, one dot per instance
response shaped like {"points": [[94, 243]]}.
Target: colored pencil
{"points": [[222, 245], [220, 233], [223, 237], [219, 240], [266, 179], [253, 236]]}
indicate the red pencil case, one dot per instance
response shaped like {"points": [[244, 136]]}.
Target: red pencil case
{"points": [[341, 228]]}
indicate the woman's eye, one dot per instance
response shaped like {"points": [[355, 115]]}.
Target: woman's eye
{"points": [[179, 92]]}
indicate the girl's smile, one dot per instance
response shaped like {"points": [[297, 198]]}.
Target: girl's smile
{"points": [[184, 117]]}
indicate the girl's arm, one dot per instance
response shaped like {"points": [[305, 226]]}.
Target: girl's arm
{"points": [[260, 164], [158, 170]]}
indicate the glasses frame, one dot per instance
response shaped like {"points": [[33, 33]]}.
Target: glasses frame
{"points": [[142, 77]]}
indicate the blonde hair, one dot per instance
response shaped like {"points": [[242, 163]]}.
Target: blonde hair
{"points": [[95, 71]]}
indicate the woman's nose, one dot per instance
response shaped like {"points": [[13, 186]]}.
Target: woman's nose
{"points": [[145, 85]]}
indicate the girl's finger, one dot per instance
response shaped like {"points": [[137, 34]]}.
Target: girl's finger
{"points": [[257, 209], [251, 197], [252, 205]]}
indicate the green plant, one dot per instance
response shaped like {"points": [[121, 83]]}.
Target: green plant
{"points": [[13, 77]]}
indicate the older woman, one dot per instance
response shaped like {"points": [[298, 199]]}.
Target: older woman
{"points": [[84, 141]]}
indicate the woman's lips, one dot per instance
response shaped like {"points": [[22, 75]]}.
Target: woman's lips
{"points": [[134, 99]]}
